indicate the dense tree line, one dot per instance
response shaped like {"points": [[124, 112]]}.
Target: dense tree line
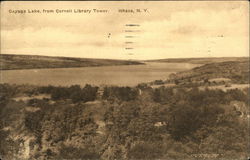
{"points": [[190, 118], [167, 95], [74, 92], [121, 93], [170, 123]]}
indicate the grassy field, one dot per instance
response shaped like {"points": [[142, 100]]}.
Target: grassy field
{"points": [[9, 62]]}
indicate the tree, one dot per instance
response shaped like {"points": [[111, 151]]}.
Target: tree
{"points": [[145, 150], [69, 152]]}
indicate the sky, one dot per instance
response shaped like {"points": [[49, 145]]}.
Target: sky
{"points": [[168, 29]]}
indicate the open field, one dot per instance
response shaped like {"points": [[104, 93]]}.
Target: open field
{"points": [[223, 88], [10, 62]]}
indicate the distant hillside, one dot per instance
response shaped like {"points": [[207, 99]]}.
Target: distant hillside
{"points": [[237, 71], [200, 60], [9, 62]]}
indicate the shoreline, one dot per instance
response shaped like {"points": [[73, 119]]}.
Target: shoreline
{"points": [[69, 67]]}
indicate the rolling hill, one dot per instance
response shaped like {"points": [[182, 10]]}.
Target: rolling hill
{"points": [[200, 60], [237, 71], [10, 62]]}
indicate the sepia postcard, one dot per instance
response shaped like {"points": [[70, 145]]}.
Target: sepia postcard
{"points": [[124, 80]]}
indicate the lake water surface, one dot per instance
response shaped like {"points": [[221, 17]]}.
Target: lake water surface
{"points": [[125, 75]]}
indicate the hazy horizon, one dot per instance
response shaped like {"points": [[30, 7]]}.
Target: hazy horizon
{"points": [[169, 29], [121, 59]]}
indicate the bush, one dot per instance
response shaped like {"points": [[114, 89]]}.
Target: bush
{"points": [[145, 150], [121, 93], [33, 121], [75, 93], [186, 119], [69, 152]]}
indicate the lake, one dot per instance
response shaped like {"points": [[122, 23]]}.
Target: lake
{"points": [[125, 75]]}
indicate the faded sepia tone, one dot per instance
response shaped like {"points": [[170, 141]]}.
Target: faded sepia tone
{"points": [[168, 30], [124, 80]]}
